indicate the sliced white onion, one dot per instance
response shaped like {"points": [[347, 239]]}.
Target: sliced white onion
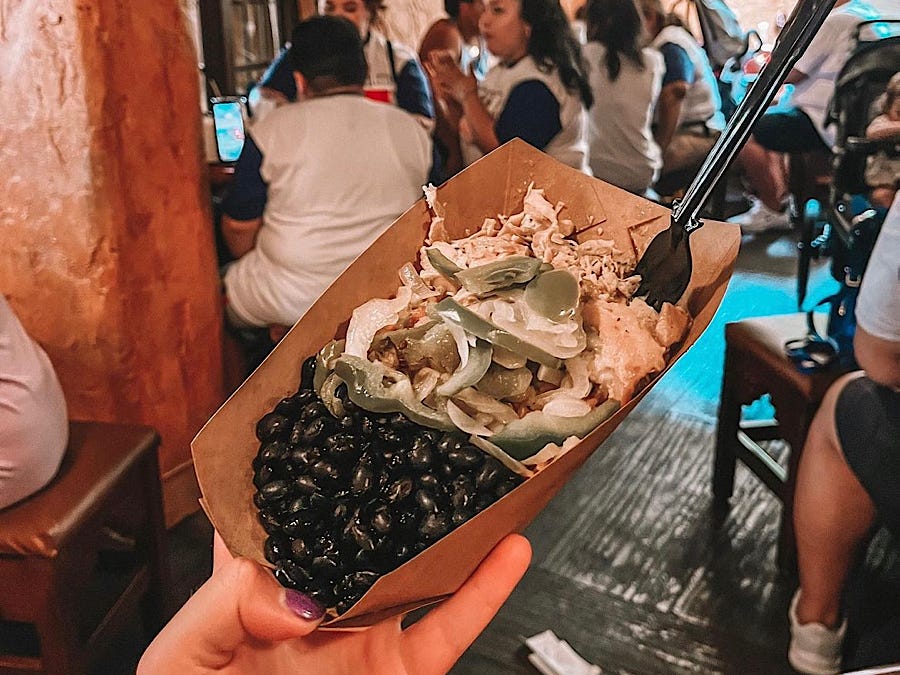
{"points": [[510, 463], [466, 423]]}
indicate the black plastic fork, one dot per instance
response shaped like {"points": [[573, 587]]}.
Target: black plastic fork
{"points": [[665, 268]]}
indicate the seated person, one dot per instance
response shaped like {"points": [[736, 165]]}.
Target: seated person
{"points": [[458, 34], [537, 91], [799, 126], [849, 473], [883, 169], [626, 81], [689, 115], [34, 424], [318, 180]]}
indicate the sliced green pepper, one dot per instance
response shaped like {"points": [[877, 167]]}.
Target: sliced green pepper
{"points": [[494, 276], [553, 295], [367, 389], [524, 437], [325, 361], [442, 263], [503, 383], [479, 361], [452, 312]]}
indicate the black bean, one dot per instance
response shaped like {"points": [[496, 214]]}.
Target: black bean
{"points": [[264, 474], [305, 485], [316, 429], [323, 595], [271, 427], [398, 490], [419, 458], [504, 488], [466, 457], [313, 410], [447, 443], [430, 482], [363, 579], [290, 407], [324, 567], [426, 501], [324, 470], [299, 551], [433, 526], [274, 490], [360, 536], [460, 516], [258, 500], [273, 451], [483, 500], [460, 497], [488, 475], [307, 373], [275, 549], [362, 480], [446, 471], [382, 520], [367, 426]]}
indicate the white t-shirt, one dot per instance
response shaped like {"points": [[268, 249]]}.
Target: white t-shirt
{"points": [[570, 145], [878, 304], [340, 169], [34, 426], [623, 151], [823, 59]]}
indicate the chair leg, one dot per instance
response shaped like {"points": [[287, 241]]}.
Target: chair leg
{"points": [[158, 603], [726, 437]]}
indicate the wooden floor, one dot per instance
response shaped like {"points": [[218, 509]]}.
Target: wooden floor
{"points": [[629, 564]]}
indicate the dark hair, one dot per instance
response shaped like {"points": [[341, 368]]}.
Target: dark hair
{"points": [[452, 8], [617, 25], [552, 43], [328, 52]]}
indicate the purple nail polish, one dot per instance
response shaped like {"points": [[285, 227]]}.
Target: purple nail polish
{"points": [[303, 605]]}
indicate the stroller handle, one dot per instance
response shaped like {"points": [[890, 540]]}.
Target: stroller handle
{"points": [[798, 32]]}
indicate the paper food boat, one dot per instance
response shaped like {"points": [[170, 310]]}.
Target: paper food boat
{"points": [[496, 184]]}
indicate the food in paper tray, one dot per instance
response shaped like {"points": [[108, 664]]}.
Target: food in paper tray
{"points": [[497, 354]]}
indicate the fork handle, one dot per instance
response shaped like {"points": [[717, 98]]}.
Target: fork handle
{"points": [[798, 32]]}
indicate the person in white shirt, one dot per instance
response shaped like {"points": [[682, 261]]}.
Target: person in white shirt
{"points": [[849, 473], [318, 180], [689, 115], [798, 124], [626, 82], [34, 426]]}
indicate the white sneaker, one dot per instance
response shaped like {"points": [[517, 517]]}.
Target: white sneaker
{"points": [[815, 649], [760, 218]]}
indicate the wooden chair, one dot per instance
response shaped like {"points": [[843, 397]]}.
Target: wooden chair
{"points": [[756, 364], [62, 593]]}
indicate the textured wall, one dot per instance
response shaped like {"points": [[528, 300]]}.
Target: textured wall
{"points": [[108, 254]]}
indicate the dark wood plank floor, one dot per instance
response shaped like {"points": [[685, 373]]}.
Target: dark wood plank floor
{"points": [[630, 567]]}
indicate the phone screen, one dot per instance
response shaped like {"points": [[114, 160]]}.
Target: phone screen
{"points": [[229, 123]]}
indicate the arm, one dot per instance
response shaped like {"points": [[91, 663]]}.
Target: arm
{"points": [[245, 202], [883, 129], [671, 98], [678, 76], [240, 235], [462, 88], [442, 37], [877, 340]]}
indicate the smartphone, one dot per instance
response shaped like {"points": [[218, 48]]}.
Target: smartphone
{"points": [[228, 119]]}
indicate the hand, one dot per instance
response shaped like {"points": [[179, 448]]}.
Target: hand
{"points": [[242, 621], [450, 82]]}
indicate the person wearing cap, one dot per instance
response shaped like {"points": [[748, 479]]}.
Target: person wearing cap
{"points": [[317, 181]]}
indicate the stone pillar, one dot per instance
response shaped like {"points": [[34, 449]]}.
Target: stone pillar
{"points": [[105, 227]]}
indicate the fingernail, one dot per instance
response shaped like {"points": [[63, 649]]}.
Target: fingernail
{"points": [[303, 605]]}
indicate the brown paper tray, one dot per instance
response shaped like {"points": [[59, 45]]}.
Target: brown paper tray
{"points": [[225, 447]]}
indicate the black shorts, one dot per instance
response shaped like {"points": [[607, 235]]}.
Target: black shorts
{"points": [[788, 130], [867, 417]]}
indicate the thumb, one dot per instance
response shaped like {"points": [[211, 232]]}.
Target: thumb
{"points": [[240, 603]]}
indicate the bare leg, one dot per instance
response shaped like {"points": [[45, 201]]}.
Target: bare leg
{"points": [[882, 196], [765, 173], [832, 516]]}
